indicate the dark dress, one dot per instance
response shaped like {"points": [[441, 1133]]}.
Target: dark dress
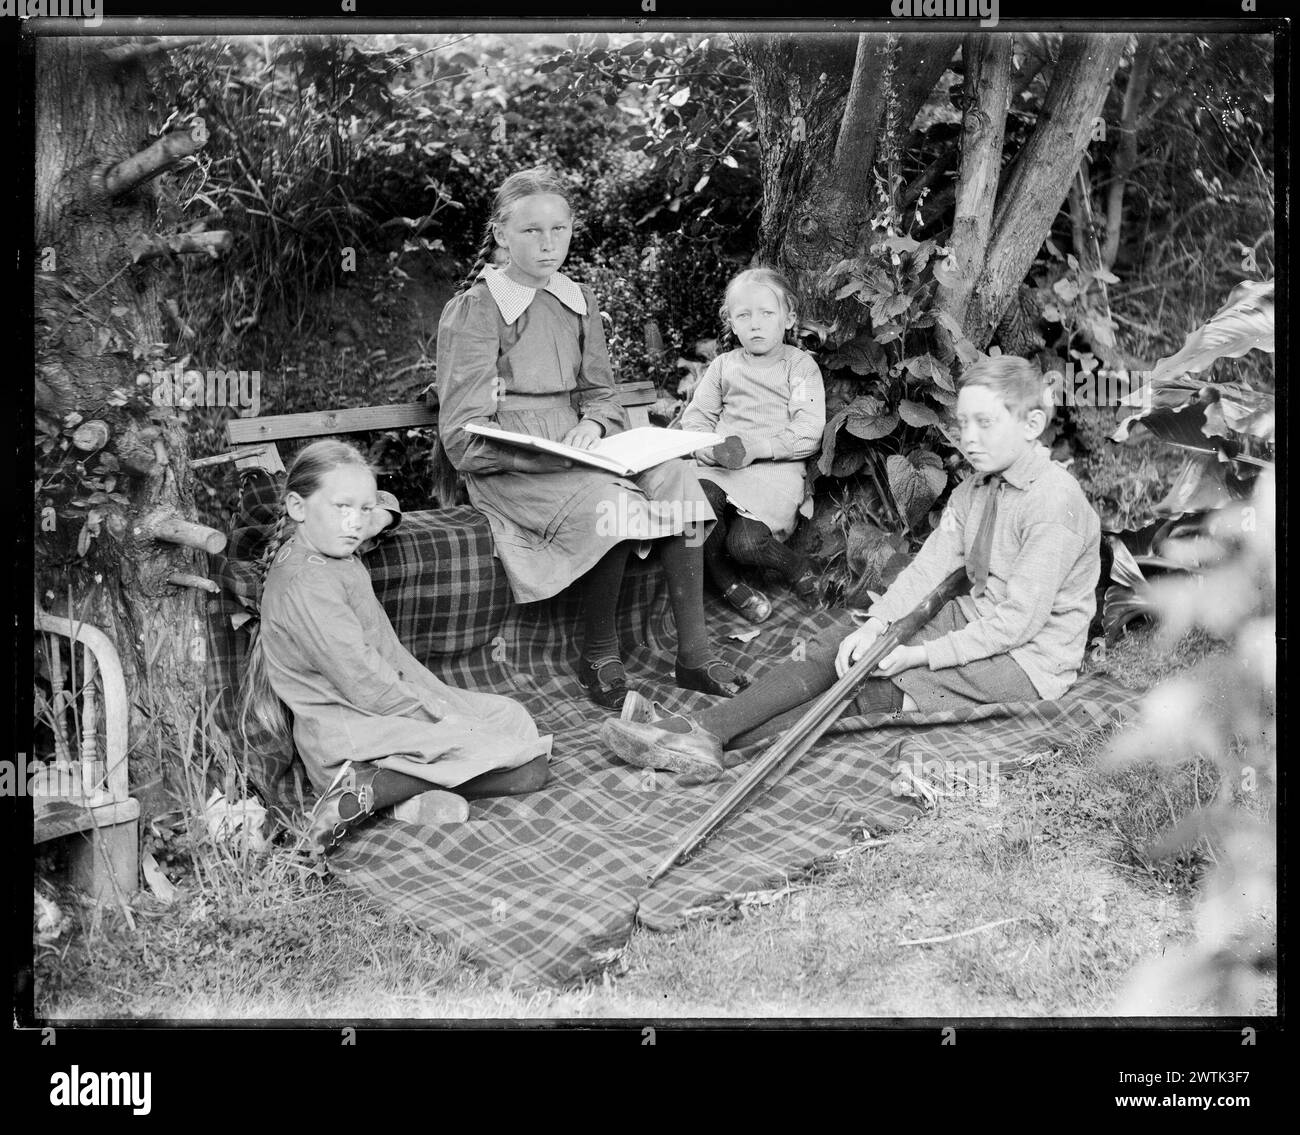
{"points": [[356, 693], [526, 375]]}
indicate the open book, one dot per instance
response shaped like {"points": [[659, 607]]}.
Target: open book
{"points": [[628, 453]]}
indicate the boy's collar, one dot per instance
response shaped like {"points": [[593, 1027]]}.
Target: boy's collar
{"points": [[1028, 467], [512, 298]]}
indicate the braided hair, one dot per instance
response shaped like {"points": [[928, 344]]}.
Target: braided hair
{"points": [[257, 699], [515, 188]]}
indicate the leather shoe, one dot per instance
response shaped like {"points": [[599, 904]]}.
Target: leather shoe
{"points": [[644, 744], [605, 681], [327, 827], [753, 604], [702, 678]]}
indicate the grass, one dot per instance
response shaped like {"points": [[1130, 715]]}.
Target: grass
{"points": [[1062, 853]]}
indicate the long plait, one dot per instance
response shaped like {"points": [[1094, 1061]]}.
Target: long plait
{"points": [[485, 251], [257, 702], [273, 545]]}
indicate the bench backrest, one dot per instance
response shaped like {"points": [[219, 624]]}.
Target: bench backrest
{"points": [[253, 439]]}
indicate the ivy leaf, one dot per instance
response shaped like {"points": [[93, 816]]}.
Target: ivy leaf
{"points": [[1067, 289], [862, 356], [868, 419], [923, 366], [915, 486], [679, 97], [966, 350], [917, 413]]}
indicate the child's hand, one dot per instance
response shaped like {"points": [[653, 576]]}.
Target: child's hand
{"points": [[899, 659], [731, 454], [856, 644], [584, 435]]}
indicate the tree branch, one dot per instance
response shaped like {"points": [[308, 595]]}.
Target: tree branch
{"points": [[855, 147], [988, 84], [129, 51], [1126, 155], [149, 162], [1041, 179]]}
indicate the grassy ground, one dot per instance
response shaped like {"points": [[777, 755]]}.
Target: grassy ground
{"points": [[1055, 863]]}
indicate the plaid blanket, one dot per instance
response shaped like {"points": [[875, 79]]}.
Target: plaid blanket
{"points": [[546, 888]]}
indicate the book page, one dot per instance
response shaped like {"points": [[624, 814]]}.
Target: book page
{"points": [[651, 445]]}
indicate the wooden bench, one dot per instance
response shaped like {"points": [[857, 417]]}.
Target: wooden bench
{"points": [[253, 440], [85, 793]]}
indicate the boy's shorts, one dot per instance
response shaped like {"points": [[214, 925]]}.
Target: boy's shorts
{"points": [[984, 682]]}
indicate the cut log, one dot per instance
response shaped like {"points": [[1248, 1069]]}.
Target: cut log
{"points": [[169, 528], [90, 436], [183, 579], [149, 162], [153, 245]]}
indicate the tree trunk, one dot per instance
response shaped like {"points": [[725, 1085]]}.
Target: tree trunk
{"points": [[1041, 178], [826, 106], [91, 113]]}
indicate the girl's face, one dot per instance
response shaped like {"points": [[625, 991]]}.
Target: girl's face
{"points": [[332, 519], [992, 437], [536, 234], [759, 318]]}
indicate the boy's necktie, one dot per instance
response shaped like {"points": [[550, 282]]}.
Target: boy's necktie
{"points": [[977, 566]]}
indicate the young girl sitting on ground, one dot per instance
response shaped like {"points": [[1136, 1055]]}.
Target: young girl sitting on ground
{"points": [[373, 727], [1028, 539], [767, 398], [521, 347]]}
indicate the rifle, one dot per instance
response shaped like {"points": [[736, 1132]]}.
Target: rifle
{"points": [[789, 749]]}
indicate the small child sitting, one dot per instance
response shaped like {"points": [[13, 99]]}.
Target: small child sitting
{"points": [[767, 398]]}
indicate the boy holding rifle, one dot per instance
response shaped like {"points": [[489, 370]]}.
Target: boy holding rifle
{"points": [[1029, 541]]}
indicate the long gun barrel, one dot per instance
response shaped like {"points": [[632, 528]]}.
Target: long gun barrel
{"points": [[789, 749]]}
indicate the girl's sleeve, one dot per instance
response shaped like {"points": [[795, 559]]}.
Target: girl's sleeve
{"points": [[599, 403], [468, 347], [806, 418], [706, 402], [326, 630]]}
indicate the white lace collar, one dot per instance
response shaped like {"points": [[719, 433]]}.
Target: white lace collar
{"points": [[513, 298]]}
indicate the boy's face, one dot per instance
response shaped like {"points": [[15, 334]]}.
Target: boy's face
{"points": [[758, 318], [536, 235], [992, 438], [334, 519]]}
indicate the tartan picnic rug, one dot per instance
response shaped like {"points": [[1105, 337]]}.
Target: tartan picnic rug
{"points": [[546, 888]]}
